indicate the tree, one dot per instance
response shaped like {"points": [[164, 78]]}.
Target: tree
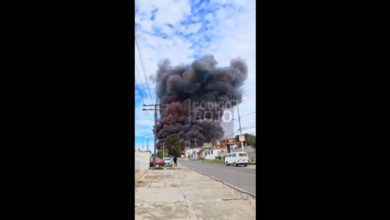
{"points": [[173, 145], [250, 139], [160, 153]]}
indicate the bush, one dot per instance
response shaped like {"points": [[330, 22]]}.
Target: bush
{"points": [[220, 158]]}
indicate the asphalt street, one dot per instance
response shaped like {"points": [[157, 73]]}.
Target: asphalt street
{"points": [[240, 177]]}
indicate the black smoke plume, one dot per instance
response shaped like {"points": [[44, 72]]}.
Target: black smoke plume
{"points": [[178, 88]]}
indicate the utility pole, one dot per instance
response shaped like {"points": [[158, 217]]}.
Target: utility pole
{"points": [[163, 150], [147, 145], [143, 145], [239, 122], [195, 139], [154, 128]]}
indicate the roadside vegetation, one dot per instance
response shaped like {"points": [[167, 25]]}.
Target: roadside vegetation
{"points": [[217, 161]]}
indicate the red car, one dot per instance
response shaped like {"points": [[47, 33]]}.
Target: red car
{"points": [[159, 162]]}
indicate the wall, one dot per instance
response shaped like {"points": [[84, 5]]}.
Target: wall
{"points": [[209, 157], [193, 153], [216, 152], [142, 161]]}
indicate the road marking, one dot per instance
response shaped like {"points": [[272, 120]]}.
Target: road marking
{"points": [[230, 170]]}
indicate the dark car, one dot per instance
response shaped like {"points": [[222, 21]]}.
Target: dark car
{"points": [[159, 162]]}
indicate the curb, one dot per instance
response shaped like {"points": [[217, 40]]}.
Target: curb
{"points": [[139, 175], [236, 188]]}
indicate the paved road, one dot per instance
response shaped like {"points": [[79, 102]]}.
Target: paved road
{"points": [[240, 177]]}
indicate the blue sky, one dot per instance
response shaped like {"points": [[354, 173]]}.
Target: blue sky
{"points": [[183, 30]]}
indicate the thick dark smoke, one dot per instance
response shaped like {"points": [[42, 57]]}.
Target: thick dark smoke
{"points": [[182, 86]]}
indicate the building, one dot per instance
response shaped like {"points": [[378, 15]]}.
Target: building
{"points": [[211, 154], [226, 144], [212, 150], [192, 153]]}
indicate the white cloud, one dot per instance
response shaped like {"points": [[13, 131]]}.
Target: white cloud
{"points": [[240, 2], [202, 5], [182, 28], [144, 121], [167, 30], [193, 28], [221, 14], [208, 17], [145, 24], [231, 33], [169, 11]]}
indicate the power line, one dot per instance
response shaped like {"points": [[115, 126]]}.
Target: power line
{"points": [[247, 92], [248, 114], [252, 94], [136, 68], [150, 96], [250, 89], [139, 48], [244, 115], [238, 131], [232, 134], [249, 126], [136, 85], [142, 60], [143, 119], [136, 41], [140, 94]]}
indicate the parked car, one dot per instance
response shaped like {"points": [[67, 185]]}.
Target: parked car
{"points": [[159, 162], [237, 158], [168, 162]]}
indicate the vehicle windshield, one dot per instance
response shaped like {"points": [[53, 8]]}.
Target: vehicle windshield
{"points": [[167, 158], [243, 155]]}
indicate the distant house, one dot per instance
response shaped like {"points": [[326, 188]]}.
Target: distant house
{"points": [[226, 144], [192, 153], [212, 150], [210, 154]]}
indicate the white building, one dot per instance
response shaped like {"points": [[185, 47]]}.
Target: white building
{"points": [[210, 154], [192, 153]]}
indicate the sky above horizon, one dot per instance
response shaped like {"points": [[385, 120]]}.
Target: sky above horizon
{"points": [[182, 31]]}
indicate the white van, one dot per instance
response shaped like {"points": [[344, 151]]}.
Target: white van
{"points": [[237, 158]]}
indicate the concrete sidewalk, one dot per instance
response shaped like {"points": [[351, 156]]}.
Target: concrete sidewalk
{"points": [[181, 193], [139, 174]]}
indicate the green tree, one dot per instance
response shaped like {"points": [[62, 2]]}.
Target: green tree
{"points": [[173, 145], [250, 139], [160, 153]]}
